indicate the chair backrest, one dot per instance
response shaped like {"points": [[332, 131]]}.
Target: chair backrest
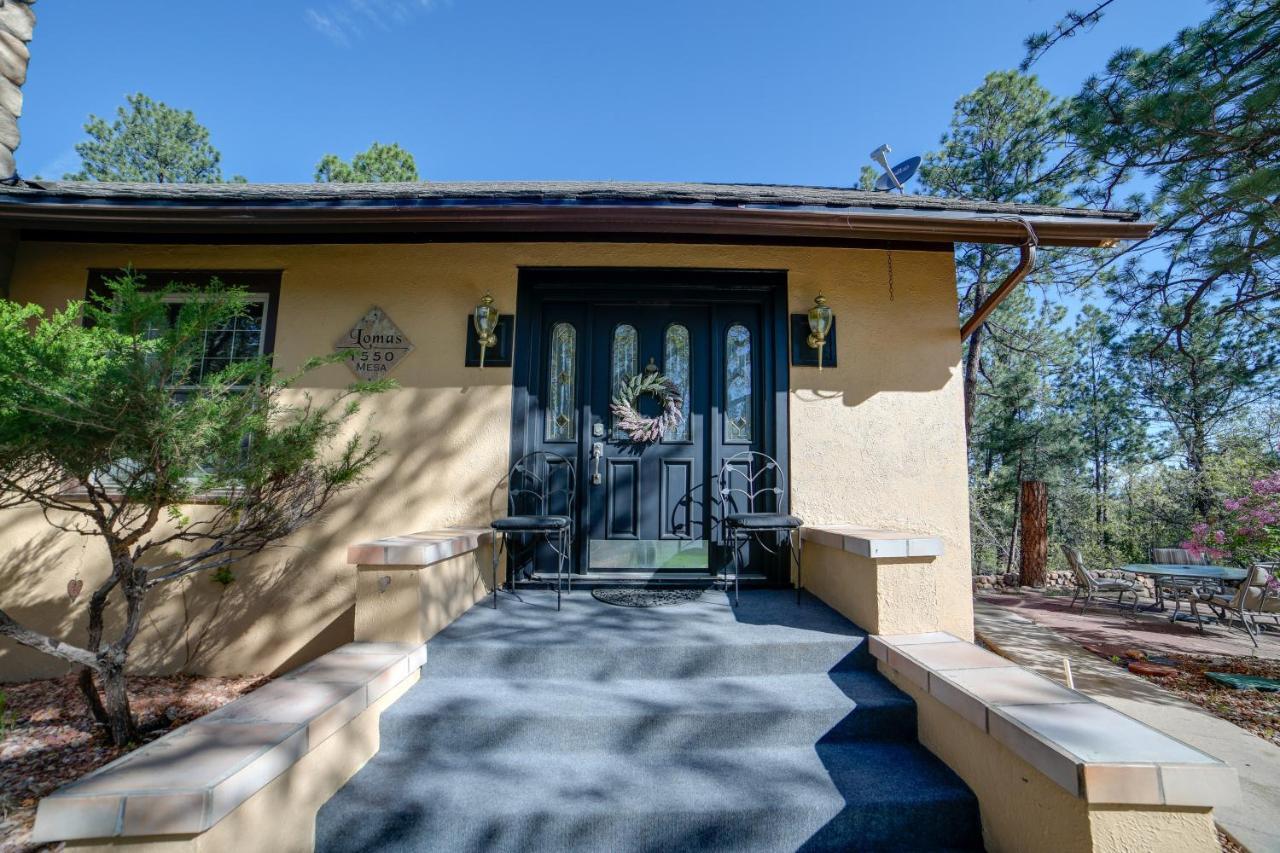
{"points": [[1077, 567], [1176, 557], [751, 481], [542, 483], [1253, 593]]}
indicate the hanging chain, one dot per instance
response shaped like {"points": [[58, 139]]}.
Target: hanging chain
{"points": [[888, 253]]}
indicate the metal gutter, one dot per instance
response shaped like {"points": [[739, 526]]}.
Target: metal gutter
{"points": [[533, 221], [1019, 272]]}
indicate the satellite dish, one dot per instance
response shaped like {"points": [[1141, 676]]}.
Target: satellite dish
{"points": [[893, 178], [901, 173]]}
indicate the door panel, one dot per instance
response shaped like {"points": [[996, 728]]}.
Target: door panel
{"points": [[661, 517], [622, 493]]}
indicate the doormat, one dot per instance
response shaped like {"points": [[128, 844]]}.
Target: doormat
{"points": [[645, 597]]}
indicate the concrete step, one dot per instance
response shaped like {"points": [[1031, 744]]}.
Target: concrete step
{"points": [[630, 715], [841, 796], [768, 634]]}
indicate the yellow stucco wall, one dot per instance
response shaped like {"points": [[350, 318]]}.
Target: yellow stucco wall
{"points": [[878, 441]]}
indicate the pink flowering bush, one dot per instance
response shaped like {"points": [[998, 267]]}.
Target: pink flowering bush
{"points": [[1247, 529]]}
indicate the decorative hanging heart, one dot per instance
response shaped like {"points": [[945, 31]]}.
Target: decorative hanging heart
{"points": [[73, 588], [383, 583]]}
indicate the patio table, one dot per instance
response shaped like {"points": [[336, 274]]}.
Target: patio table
{"points": [[1157, 571]]}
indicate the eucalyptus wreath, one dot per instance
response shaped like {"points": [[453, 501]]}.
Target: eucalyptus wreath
{"points": [[638, 427]]}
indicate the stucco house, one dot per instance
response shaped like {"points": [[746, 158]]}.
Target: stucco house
{"points": [[862, 717]]}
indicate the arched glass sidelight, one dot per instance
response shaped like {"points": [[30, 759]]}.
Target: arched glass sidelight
{"points": [[737, 384], [562, 372], [677, 365], [624, 360]]}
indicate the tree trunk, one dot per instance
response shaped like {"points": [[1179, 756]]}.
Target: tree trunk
{"points": [[120, 723], [1197, 455], [1034, 512], [973, 357], [91, 697], [972, 363]]}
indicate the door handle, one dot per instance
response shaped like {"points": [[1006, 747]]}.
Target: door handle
{"points": [[597, 451]]}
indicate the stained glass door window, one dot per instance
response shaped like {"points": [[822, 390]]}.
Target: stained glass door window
{"points": [[562, 371]]}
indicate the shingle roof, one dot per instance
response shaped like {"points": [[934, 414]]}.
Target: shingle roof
{"points": [[544, 193]]}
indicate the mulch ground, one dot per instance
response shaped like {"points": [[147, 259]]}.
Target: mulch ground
{"points": [[1251, 710], [48, 738]]}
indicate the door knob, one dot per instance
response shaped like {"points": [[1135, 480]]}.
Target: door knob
{"points": [[597, 451]]}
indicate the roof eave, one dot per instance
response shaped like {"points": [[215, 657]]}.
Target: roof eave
{"points": [[529, 221]]}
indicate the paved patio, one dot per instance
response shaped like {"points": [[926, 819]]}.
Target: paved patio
{"points": [[1150, 631]]}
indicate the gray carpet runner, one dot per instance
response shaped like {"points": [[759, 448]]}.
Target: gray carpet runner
{"points": [[698, 727]]}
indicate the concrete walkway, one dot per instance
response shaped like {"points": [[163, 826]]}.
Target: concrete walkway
{"points": [[1255, 820]]}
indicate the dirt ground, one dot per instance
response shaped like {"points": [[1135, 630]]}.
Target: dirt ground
{"points": [[48, 738]]}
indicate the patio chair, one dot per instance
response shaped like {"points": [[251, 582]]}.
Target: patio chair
{"points": [[1091, 585], [1254, 599], [540, 496], [1176, 557], [1191, 590], [760, 481]]}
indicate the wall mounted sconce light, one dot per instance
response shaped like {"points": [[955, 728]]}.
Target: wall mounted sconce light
{"points": [[485, 320], [488, 336], [813, 336], [819, 325]]}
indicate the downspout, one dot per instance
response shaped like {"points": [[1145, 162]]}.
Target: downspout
{"points": [[1025, 263]]}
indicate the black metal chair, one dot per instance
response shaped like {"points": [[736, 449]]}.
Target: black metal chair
{"points": [[532, 488], [760, 481]]}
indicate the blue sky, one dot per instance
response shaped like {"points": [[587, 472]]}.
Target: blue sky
{"points": [[790, 91]]}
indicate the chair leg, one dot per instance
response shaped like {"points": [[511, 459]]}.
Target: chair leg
{"points": [[568, 544], [799, 556], [1247, 622], [1196, 613], [559, 568], [1074, 596], [495, 569], [737, 566], [1085, 607]]}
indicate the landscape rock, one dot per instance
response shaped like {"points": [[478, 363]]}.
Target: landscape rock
{"points": [[1155, 670]]}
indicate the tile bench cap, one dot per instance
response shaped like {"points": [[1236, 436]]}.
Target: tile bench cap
{"points": [[186, 781], [871, 543], [418, 549], [1093, 751]]}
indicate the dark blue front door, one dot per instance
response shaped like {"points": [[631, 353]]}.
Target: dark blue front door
{"points": [[647, 506], [647, 501]]}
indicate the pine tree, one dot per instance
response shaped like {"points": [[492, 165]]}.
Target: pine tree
{"points": [[380, 163], [1002, 145], [150, 142]]}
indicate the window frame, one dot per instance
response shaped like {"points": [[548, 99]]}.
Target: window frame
{"points": [[256, 283]]}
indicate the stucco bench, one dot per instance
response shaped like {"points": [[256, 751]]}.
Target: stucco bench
{"points": [[187, 782], [409, 587], [886, 581], [1133, 786], [872, 543]]}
